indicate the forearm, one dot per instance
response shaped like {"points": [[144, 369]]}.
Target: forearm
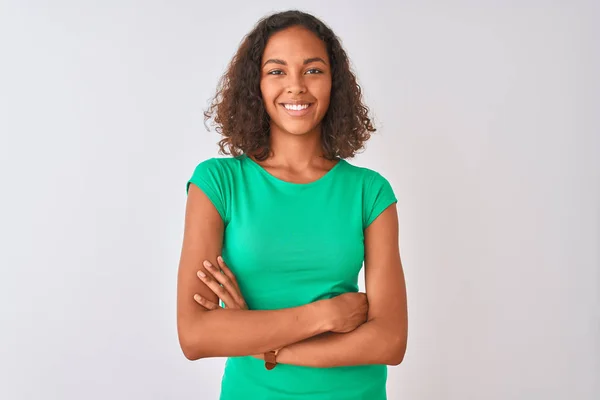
{"points": [[370, 343], [232, 333]]}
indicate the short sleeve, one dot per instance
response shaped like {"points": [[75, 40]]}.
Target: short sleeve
{"points": [[379, 195], [210, 177]]}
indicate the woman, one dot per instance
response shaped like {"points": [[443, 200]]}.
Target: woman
{"points": [[293, 221]]}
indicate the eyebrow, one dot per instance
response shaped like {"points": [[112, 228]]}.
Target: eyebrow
{"points": [[281, 62]]}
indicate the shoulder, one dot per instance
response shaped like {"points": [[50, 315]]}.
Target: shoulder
{"points": [[214, 176], [366, 176], [216, 168], [377, 192], [215, 173]]}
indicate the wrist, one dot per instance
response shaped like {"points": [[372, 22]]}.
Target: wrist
{"points": [[283, 355], [270, 358], [323, 315]]}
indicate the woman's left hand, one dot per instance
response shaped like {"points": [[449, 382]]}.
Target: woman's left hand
{"points": [[229, 293]]}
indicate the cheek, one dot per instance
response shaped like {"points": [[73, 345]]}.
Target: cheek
{"points": [[320, 88], [267, 90], [269, 94], [323, 93]]}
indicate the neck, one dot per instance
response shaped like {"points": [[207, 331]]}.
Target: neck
{"points": [[296, 151]]}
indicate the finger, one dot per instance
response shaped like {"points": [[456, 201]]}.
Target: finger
{"points": [[207, 304], [228, 273], [217, 289], [228, 279], [227, 284]]}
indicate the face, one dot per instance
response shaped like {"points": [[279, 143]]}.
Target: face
{"points": [[295, 81]]}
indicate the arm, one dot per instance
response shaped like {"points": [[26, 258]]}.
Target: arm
{"points": [[217, 334], [383, 338]]}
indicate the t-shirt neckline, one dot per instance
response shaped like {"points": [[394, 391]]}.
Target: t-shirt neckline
{"points": [[279, 181]]}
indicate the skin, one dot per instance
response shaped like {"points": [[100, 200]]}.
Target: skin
{"points": [[295, 67], [297, 157]]}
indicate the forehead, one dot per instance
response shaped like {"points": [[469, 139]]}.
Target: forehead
{"points": [[294, 43]]}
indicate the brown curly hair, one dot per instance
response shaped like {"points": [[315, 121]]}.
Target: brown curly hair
{"points": [[238, 112]]}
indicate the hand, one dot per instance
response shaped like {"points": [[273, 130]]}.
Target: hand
{"points": [[349, 311], [229, 293]]}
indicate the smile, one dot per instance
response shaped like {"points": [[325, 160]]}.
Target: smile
{"points": [[297, 110]]}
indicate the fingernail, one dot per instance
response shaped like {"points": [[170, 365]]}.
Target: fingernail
{"points": [[201, 274], [197, 297], [207, 263], [220, 258]]}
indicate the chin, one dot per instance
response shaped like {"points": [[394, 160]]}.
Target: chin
{"points": [[298, 130]]}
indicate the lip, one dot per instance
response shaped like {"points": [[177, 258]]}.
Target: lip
{"points": [[297, 113]]}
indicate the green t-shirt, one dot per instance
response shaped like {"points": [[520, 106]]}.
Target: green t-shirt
{"points": [[290, 244]]}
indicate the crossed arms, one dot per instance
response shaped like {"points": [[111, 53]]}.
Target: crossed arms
{"points": [[303, 333]]}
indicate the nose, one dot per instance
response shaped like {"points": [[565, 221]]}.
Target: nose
{"points": [[296, 84]]}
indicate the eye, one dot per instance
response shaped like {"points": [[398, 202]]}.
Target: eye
{"points": [[315, 71], [275, 72]]}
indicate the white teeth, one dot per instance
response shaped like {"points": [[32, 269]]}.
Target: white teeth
{"points": [[296, 107]]}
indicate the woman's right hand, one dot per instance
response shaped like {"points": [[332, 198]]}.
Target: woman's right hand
{"points": [[348, 311]]}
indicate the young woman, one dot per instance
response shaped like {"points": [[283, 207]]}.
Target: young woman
{"points": [[278, 232]]}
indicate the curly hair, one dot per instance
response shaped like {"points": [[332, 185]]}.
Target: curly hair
{"points": [[238, 112]]}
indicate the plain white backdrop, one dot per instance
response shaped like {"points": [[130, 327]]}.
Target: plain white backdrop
{"points": [[488, 131]]}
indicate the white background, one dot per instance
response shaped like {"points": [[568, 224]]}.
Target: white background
{"points": [[488, 131]]}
